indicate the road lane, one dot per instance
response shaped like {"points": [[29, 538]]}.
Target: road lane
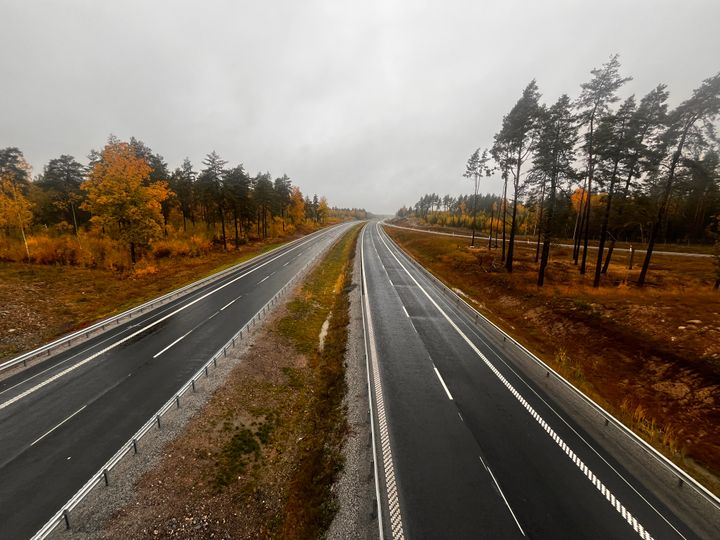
{"points": [[54, 435], [557, 480], [442, 484]]}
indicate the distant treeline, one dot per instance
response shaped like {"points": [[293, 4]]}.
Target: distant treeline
{"points": [[588, 169], [127, 195]]}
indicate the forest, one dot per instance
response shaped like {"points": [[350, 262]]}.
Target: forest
{"points": [[595, 170], [126, 205]]}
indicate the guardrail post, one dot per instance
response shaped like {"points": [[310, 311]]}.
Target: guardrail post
{"points": [[206, 371], [66, 516], [177, 401], [105, 476], [157, 417], [193, 384], [135, 445]]}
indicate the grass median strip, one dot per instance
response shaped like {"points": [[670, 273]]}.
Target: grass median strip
{"points": [[261, 458]]}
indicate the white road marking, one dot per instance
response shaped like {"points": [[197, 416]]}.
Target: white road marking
{"points": [[284, 265], [230, 303], [173, 343], [41, 437], [186, 334], [138, 332], [263, 279], [449, 395], [619, 507], [504, 499], [561, 418], [396, 525], [472, 329], [405, 310]]}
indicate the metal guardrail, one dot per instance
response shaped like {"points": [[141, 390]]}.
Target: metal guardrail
{"points": [[72, 339], [103, 475], [480, 319]]}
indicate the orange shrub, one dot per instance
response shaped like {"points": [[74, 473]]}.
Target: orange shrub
{"points": [[194, 246]]}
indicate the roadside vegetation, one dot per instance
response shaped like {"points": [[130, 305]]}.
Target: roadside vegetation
{"points": [[598, 172], [260, 459], [40, 302], [637, 330], [79, 242], [650, 355]]}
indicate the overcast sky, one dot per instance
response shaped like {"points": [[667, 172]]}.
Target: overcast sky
{"points": [[371, 103]]}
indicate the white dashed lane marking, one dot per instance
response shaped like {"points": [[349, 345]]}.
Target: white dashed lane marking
{"points": [[619, 507]]}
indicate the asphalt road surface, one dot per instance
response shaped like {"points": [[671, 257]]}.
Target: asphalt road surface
{"points": [[62, 419], [469, 447]]}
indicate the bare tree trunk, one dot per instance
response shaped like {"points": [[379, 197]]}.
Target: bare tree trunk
{"points": [[604, 229], [472, 242], [663, 204], [492, 216], [579, 223], [237, 232], [75, 225], [516, 188], [504, 219], [222, 224], [540, 221], [611, 247]]}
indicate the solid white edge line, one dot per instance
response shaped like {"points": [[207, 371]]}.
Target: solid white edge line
{"points": [[396, 522], [145, 328], [660, 458], [504, 499], [53, 429], [405, 310], [378, 501], [555, 437], [449, 395]]}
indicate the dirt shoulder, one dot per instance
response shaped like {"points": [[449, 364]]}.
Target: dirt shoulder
{"points": [[261, 457], [650, 356]]}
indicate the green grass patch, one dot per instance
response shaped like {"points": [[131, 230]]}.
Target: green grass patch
{"points": [[311, 505]]}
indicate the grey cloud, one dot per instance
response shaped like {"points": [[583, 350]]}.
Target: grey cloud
{"points": [[370, 103]]}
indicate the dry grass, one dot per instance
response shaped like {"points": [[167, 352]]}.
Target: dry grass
{"points": [[41, 302], [650, 355]]}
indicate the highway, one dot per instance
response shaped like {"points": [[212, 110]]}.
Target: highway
{"points": [[62, 419], [470, 445]]}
